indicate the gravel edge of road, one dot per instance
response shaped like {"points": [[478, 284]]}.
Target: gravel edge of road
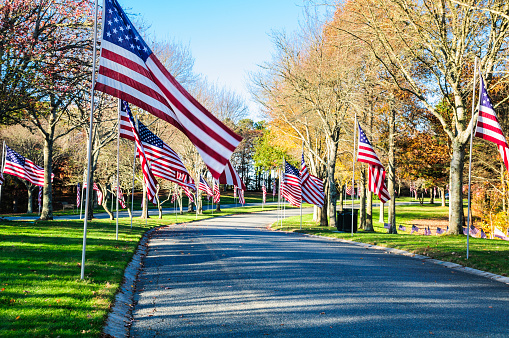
{"points": [[119, 320]]}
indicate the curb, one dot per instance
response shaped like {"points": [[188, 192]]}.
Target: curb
{"points": [[454, 266], [119, 321]]}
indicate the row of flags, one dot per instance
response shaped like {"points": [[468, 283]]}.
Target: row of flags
{"points": [[300, 186], [159, 160]]}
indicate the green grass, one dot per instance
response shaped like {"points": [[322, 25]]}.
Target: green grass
{"points": [[486, 255], [41, 294]]}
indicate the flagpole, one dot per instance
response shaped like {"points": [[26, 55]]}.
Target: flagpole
{"points": [[132, 187], [353, 167], [279, 206], [90, 133], [81, 202], [470, 157], [118, 163], [301, 190], [3, 164]]}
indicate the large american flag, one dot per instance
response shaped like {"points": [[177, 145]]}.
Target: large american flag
{"points": [[203, 186], [21, 167], [95, 187], [231, 177], [217, 193], [488, 127], [312, 186], [376, 172], [291, 187], [129, 70], [148, 177]]}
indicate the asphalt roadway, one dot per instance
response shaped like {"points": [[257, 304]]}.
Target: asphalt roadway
{"points": [[232, 277]]}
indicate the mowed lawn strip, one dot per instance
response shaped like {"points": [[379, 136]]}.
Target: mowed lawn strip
{"points": [[41, 294], [486, 255]]}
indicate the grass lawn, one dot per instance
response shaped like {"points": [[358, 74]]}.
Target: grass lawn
{"points": [[41, 294], [486, 255]]}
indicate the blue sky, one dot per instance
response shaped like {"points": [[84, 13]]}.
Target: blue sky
{"points": [[227, 38]]}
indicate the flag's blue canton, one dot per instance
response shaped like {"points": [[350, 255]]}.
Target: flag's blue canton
{"points": [[148, 137], [362, 137], [119, 30], [289, 169], [15, 157], [125, 107], [485, 99]]}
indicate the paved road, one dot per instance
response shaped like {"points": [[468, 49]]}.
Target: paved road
{"points": [[232, 277]]}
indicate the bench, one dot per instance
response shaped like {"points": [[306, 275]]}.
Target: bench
{"points": [[66, 205]]}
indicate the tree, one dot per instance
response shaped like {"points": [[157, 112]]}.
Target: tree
{"points": [[428, 48]]}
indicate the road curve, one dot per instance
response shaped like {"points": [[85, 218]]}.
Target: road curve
{"points": [[230, 276]]}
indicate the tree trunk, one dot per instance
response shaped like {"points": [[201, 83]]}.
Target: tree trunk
{"points": [[362, 202], [442, 192], [47, 200], [30, 195], [218, 207], [392, 174], [456, 218], [199, 203], [331, 168], [369, 212], [341, 198]]}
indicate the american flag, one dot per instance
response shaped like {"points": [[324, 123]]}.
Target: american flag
{"points": [[440, 231], [120, 198], [39, 197], [96, 189], [148, 176], [203, 186], [130, 71], [473, 231], [21, 167], [264, 192], [217, 193], [401, 228], [499, 234], [483, 234], [349, 190], [189, 193], [488, 127], [78, 196], [376, 172], [291, 187], [164, 161], [174, 196], [241, 197], [2, 178], [427, 231], [387, 226], [231, 177], [312, 187], [414, 229]]}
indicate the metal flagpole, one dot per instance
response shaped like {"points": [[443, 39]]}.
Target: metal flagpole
{"points": [[470, 157], [81, 202], [301, 192], [118, 164], [353, 167], [90, 133], [279, 206], [3, 164], [132, 187]]}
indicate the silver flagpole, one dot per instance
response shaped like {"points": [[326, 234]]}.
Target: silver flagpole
{"points": [[353, 167], [301, 201], [470, 157], [3, 164], [118, 164], [90, 133], [132, 187]]}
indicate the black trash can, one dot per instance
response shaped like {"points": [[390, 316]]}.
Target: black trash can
{"points": [[344, 220]]}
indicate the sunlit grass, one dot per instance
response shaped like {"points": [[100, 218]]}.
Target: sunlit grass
{"points": [[41, 291], [486, 255]]}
